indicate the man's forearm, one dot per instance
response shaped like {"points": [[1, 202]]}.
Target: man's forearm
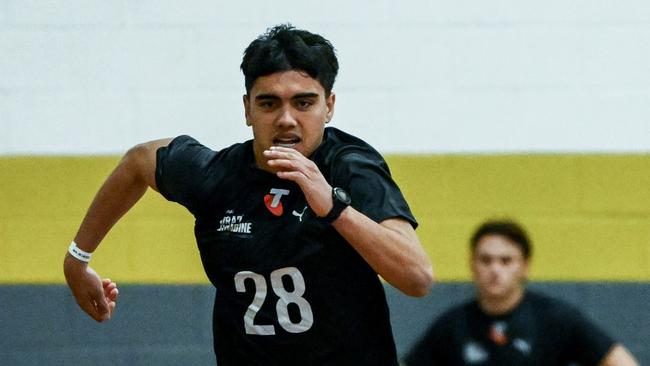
{"points": [[121, 190], [391, 248]]}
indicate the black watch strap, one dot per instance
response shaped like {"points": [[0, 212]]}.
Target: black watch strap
{"points": [[341, 199]]}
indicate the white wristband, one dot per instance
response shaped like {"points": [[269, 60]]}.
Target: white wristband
{"points": [[76, 252]]}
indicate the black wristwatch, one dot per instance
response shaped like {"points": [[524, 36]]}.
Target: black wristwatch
{"points": [[341, 200]]}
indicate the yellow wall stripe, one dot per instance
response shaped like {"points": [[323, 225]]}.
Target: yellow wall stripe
{"points": [[588, 215]]}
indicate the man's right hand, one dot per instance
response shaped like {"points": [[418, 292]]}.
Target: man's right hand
{"points": [[121, 190], [95, 296]]}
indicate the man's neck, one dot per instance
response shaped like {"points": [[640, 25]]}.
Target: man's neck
{"points": [[501, 305]]}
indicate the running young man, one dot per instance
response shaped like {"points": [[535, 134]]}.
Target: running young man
{"points": [[508, 325], [292, 226]]}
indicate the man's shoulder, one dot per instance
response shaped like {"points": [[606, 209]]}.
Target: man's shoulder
{"points": [[453, 324], [187, 140], [459, 312], [564, 323], [551, 307], [186, 145], [188, 157], [337, 141], [543, 299], [341, 147], [341, 136]]}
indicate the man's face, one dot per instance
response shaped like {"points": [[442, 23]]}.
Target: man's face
{"points": [[499, 267], [287, 109]]}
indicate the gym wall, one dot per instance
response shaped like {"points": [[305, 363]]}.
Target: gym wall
{"points": [[532, 110], [96, 77], [588, 215]]}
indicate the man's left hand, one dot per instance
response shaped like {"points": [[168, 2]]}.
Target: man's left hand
{"points": [[294, 166]]}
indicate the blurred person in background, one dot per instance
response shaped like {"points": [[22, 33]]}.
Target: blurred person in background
{"points": [[292, 226], [506, 324]]}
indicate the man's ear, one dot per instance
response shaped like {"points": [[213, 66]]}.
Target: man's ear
{"points": [[330, 102], [247, 105]]}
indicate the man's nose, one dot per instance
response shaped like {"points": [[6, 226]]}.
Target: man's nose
{"points": [[286, 118], [495, 266]]}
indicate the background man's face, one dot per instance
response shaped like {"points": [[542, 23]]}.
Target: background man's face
{"points": [[499, 267], [287, 109]]}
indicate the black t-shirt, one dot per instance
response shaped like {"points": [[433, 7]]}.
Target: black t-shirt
{"points": [[540, 331], [290, 289]]}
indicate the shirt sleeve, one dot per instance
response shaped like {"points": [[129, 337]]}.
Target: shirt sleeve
{"points": [[374, 192], [589, 344], [182, 171]]}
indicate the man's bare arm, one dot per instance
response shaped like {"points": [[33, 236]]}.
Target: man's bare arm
{"points": [[121, 190], [618, 356], [391, 247]]}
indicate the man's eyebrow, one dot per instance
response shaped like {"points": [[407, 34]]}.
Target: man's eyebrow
{"points": [[296, 96], [305, 95], [266, 96]]}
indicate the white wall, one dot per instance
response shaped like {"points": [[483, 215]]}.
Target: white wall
{"points": [[98, 76]]}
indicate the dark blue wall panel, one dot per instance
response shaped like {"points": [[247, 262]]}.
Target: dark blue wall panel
{"points": [[171, 325]]}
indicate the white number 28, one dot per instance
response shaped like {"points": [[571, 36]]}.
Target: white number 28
{"points": [[281, 307]]}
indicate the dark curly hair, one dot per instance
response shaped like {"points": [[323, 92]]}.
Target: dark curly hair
{"points": [[507, 228], [284, 48]]}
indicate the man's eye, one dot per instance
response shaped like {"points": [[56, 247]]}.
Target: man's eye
{"points": [[304, 104], [266, 105]]}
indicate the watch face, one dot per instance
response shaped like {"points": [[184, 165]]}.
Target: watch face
{"points": [[342, 195]]}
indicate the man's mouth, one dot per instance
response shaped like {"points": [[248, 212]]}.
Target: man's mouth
{"points": [[289, 142]]}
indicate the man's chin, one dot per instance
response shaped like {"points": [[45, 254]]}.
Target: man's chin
{"points": [[494, 292]]}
